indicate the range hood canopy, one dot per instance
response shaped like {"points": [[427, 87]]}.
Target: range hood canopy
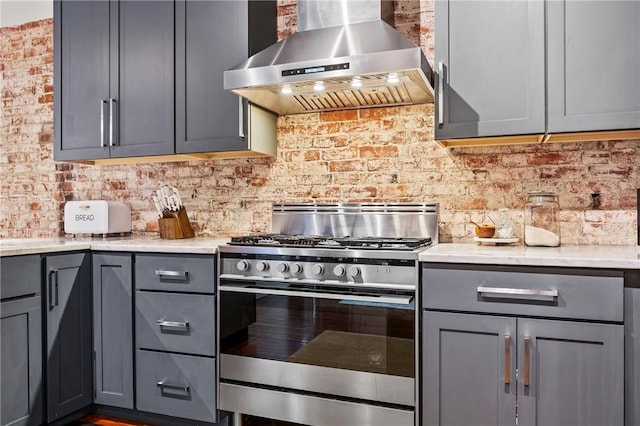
{"points": [[362, 62]]}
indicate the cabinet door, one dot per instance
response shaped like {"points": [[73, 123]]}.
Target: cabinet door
{"points": [[21, 362], [81, 79], [468, 369], [570, 373], [113, 329], [211, 37], [142, 78], [593, 53], [69, 329], [489, 61]]}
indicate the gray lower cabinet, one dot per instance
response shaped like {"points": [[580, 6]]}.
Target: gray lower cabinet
{"points": [[549, 341], [175, 333], [21, 384], [593, 65], [113, 328], [114, 78], [69, 362], [569, 373]]}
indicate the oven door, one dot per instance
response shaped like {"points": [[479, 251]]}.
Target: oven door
{"points": [[345, 343]]}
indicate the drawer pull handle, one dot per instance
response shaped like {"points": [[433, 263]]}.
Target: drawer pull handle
{"points": [[179, 326], [174, 275], [507, 359], [514, 292], [527, 361], [162, 384]]}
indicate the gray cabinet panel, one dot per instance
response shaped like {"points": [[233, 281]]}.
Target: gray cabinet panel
{"points": [[593, 51], [81, 78], [143, 83], [464, 369], [69, 334], [576, 373], [632, 350], [19, 276], [179, 273], [176, 385], [21, 361], [113, 329], [492, 55], [176, 322], [208, 118]]}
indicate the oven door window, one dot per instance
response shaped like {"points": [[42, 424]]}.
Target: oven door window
{"points": [[370, 332]]}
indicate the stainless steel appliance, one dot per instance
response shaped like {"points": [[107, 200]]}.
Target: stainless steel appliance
{"points": [[344, 55], [317, 320]]}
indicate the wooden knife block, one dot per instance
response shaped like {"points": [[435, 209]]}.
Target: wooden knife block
{"points": [[175, 225]]}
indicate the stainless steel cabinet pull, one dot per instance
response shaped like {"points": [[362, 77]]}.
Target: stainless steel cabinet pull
{"points": [[440, 93], [112, 118], [181, 326], [51, 288], [507, 359], [182, 275], [241, 118], [527, 361], [515, 292], [162, 384], [103, 103]]}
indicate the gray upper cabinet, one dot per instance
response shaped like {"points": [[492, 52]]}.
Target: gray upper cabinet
{"points": [[593, 60], [114, 79], [530, 68], [211, 37], [489, 62], [21, 382], [113, 328], [69, 334]]}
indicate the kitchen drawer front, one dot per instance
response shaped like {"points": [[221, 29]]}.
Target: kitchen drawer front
{"points": [[176, 385], [176, 322], [563, 292], [192, 274], [19, 276]]}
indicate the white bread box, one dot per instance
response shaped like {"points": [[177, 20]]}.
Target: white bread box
{"points": [[97, 217]]}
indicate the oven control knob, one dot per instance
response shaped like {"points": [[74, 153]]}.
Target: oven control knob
{"points": [[296, 268], [354, 271], [282, 267], [262, 266], [242, 265], [339, 270], [317, 269]]}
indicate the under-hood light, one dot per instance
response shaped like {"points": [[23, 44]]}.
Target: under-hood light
{"points": [[356, 82], [286, 90], [393, 78], [318, 86]]}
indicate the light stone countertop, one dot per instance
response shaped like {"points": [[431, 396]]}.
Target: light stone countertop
{"points": [[22, 246], [613, 257]]}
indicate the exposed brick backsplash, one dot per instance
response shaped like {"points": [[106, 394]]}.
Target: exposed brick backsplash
{"points": [[381, 154]]}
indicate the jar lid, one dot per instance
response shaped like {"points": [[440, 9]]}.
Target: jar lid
{"points": [[542, 195]]}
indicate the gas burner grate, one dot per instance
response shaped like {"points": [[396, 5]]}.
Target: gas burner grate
{"points": [[319, 241]]}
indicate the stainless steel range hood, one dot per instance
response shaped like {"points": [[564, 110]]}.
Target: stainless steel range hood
{"points": [[344, 56]]}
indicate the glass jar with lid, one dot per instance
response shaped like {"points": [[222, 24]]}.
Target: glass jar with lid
{"points": [[541, 227]]}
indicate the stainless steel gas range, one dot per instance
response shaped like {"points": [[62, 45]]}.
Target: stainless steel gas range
{"points": [[317, 320]]}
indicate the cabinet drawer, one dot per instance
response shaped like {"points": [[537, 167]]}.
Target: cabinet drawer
{"points": [[550, 292], [176, 385], [194, 274], [176, 322], [19, 276]]}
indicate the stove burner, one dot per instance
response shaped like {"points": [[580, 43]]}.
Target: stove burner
{"points": [[319, 241]]}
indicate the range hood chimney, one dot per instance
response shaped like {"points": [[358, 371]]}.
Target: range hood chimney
{"points": [[344, 56]]}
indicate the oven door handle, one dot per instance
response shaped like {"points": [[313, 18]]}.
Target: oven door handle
{"points": [[399, 300]]}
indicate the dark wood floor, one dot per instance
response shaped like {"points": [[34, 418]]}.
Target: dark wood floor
{"points": [[101, 420]]}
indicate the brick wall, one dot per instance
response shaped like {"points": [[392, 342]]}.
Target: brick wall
{"points": [[382, 154]]}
